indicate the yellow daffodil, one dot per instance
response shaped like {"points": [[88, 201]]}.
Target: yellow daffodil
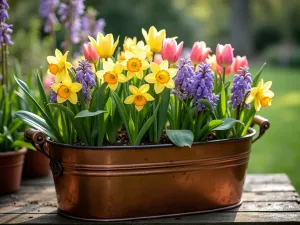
{"points": [[161, 76], [129, 43], [261, 95], [135, 63], [104, 46], [112, 74], [121, 57], [66, 91], [140, 46], [139, 96], [59, 66], [154, 39], [212, 61]]}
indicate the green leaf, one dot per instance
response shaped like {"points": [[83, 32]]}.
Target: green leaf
{"points": [[228, 124], [209, 106], [147, 125], [78, 126], [257, 77], [87, 113], [36, 122], [181, 138], [162, 112], [222, 104], [19, 144], [124, 115], [208, 128]]}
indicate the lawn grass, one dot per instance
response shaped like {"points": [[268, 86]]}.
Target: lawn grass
{"points": [[278, 151]]}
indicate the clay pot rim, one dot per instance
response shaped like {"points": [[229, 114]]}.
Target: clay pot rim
{"points": [[251, 133], [13, 153]]}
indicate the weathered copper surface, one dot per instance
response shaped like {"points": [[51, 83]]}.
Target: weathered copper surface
{"points": [[118, 183]]}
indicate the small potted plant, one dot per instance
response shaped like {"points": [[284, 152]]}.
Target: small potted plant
{"points": [[12, 146], [129, 137]]}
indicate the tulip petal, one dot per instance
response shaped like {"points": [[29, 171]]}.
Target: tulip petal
{"points": [[115, 45]]}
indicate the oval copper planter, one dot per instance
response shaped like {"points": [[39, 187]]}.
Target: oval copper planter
{"points": [[11, 164], [135, 182]]}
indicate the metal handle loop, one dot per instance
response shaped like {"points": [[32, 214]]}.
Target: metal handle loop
{"points": [[264, 125], [38, 140]]}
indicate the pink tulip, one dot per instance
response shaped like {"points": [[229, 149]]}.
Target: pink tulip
{"points": [[170, 50], [157, 58], [199, 52], [48, 81], [224, 55], [90, 53], [239, 62], [228, 70]]}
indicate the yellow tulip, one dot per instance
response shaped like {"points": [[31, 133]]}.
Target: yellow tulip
{"points": [[129, 43], [58, 66], [112, 74], [139, 96], [161, 76], [261, 95], [66, 91], [154, 39], [104, 46]]}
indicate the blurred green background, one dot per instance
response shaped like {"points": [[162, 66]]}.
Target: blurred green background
{"points": [[264, 30]]}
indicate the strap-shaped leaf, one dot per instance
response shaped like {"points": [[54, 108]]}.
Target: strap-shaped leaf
{"points": [[87, 113], [228, 124], [19, 144], [36, 122], [256, 79], [71, 116], [181, 138], [208, 128], [209, 107]]}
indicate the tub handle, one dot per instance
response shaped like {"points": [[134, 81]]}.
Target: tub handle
{"points": [[264, 125], [38, 140]]}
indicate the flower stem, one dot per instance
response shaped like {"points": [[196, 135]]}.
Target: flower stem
{"points": [[3, 64], [6, 66], [224, 70]]}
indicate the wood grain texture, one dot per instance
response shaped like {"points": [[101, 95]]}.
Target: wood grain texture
{"points": [[267, 199]]}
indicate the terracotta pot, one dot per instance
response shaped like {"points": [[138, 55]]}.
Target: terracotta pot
{"points": [[137, 182], [36, 164], [11, 164]]}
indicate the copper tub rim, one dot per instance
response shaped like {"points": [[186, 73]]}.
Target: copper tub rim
{"points": [[251, 133]]}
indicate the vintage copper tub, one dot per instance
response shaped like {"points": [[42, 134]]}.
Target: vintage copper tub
{"points": [[124, 183]]}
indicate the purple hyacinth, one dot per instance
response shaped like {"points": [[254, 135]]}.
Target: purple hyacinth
{"points": [[85, 76], [3, 10], [203, 86], [90, 25], [5, 33], [184, 79], [71, 13], [242, 83], [53, 97], [47, 11]]}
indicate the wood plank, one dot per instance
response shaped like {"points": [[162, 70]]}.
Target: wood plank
{"points": [[268, 188], [289, 206], [278, 178], [269, 196], [211, 218]]}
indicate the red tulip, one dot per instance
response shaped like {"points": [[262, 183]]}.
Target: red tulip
{"points": [[157, 58], [224, 55], [48, 81], [170, 50], [90, 53], [199, 52], [238, 63], [228, 70]]}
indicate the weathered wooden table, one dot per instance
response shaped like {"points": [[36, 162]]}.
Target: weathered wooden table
{"points": [[267, 198]]}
